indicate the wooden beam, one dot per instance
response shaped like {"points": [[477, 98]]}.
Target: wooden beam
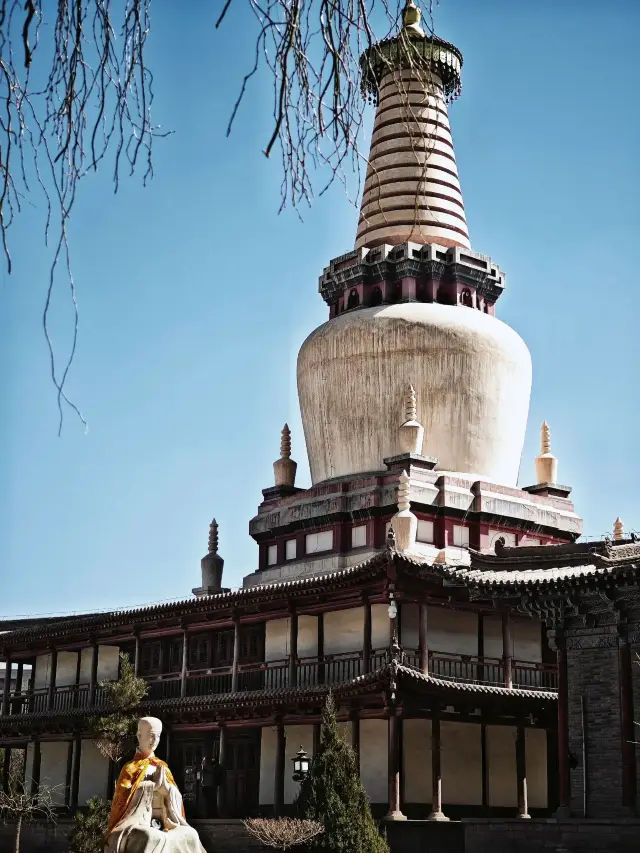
{"points": [[521, 771]]}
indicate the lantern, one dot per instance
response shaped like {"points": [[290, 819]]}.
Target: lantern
{"points": [[300, 766]]}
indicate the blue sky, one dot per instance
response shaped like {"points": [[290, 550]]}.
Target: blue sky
{"points": [[195, 296]]}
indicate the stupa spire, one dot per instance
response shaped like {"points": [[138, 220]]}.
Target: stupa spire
{"points": [[213, 537], [411, 432], [546, 464], [404, 522], [412, 191], [618, 529], [284, 469], [211, 565]]}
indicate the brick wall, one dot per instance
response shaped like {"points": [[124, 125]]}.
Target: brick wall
{"points": [[593, 673], [551, 836]]}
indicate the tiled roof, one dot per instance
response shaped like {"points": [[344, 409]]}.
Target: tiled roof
{"points": [[470, 687]]}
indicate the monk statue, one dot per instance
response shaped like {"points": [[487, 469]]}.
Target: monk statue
{"points": [[147, 814]]}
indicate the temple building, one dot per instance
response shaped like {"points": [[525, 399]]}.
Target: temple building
{"points": [[463, 629]]}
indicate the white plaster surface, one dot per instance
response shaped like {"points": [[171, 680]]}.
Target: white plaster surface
{"points": [[536, 762], [94, 773], [373, 759], [53, 767], [526, 640], [417, 761], [453, 631], [379, 626], [461, 763], [344, 630], [471, 372], [501, 766], [276, 640]]}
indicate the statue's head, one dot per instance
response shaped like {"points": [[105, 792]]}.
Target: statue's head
{"points": [[149, 731]]}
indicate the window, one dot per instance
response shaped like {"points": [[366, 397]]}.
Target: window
{"points": [[460, 536], [290, 549], [354, 300], [425, 531], [272, 555], [359, 536], [223, 648], [316, 542], [509, 538], [175, 654], [199, 651], [249, 646], [150, 655]]}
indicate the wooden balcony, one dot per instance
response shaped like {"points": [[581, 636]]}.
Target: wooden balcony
{"points": [[309, 671]]}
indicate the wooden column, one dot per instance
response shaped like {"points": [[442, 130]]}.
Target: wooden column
{"points": [[67, 778], [422, 638], [436, 768], [395, 812], [481, 669], [236, 654], [93, 677], [221, 791], [185, 661], [355, 736], [7, 685], [506, 650], [6, 767], [75, 774], [35, 773], [19, 677], [136, 654], [564, 779], [484, 766], [52, 678], [366, 645], [627, 728], [321, 667], [521, 771], [293, 647], [317, 736], [278, 786]]}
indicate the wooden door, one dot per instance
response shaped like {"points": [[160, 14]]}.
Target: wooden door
{"points": [[242, 777], [190, 758]]}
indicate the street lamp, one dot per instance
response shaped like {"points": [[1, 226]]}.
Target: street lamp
{"points": [[393, 607], [300, 766]]}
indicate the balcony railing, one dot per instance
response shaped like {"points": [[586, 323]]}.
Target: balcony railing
{"points": [[309, 671]]}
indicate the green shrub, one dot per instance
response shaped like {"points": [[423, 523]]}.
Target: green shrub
{"points": [[333, 794], [89, 827]]}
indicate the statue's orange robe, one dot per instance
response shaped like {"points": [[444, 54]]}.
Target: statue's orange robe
{"points": [[130, 777]]}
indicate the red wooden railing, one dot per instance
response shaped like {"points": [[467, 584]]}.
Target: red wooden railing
{"points": [[309, 671]]}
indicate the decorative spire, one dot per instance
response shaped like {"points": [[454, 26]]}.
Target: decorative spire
{"points": [[284, 469], [285, 442], [213, 537], [411, 432], [411, 18], [545, 438], [211, 566], [404, 522], [411, 78], [546, 464], [618, 529]]}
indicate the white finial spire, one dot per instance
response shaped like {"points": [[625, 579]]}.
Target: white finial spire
{"points": [[284, 469], [618, 529], [546, 463], [411, 432], [404, 522]]}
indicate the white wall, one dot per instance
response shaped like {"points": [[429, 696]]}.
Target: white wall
{"points": [[453, 631], [94, 773], [461, 763], [409, 625], [28, 766], [379, 626], [108, 662], [344, 631], [307, 636], [276, 639], [53, 767], [501, 766], [526, 642], [417, 761], [536, 761], [43, 665], [268, 736], [66, 669], [373, 759]]}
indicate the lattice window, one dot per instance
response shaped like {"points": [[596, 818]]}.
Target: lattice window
{"points": [[199, 648], [175, 654], [150, 658]]}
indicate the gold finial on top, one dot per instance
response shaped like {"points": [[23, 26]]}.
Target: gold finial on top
{"points": [[411, 18]]}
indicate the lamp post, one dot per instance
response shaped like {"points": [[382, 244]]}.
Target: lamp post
{"points": [[300, 766]]}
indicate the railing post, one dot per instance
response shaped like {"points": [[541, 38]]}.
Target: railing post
{"points": [[422, 638], [52, 679], [293, 646], [7, 685], [93, 678], [506, 650], [236, 654], [185, 659], [366, 646]]}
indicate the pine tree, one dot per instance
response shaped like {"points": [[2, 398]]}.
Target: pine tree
{"points": [[115, 731], [333, 794]]}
